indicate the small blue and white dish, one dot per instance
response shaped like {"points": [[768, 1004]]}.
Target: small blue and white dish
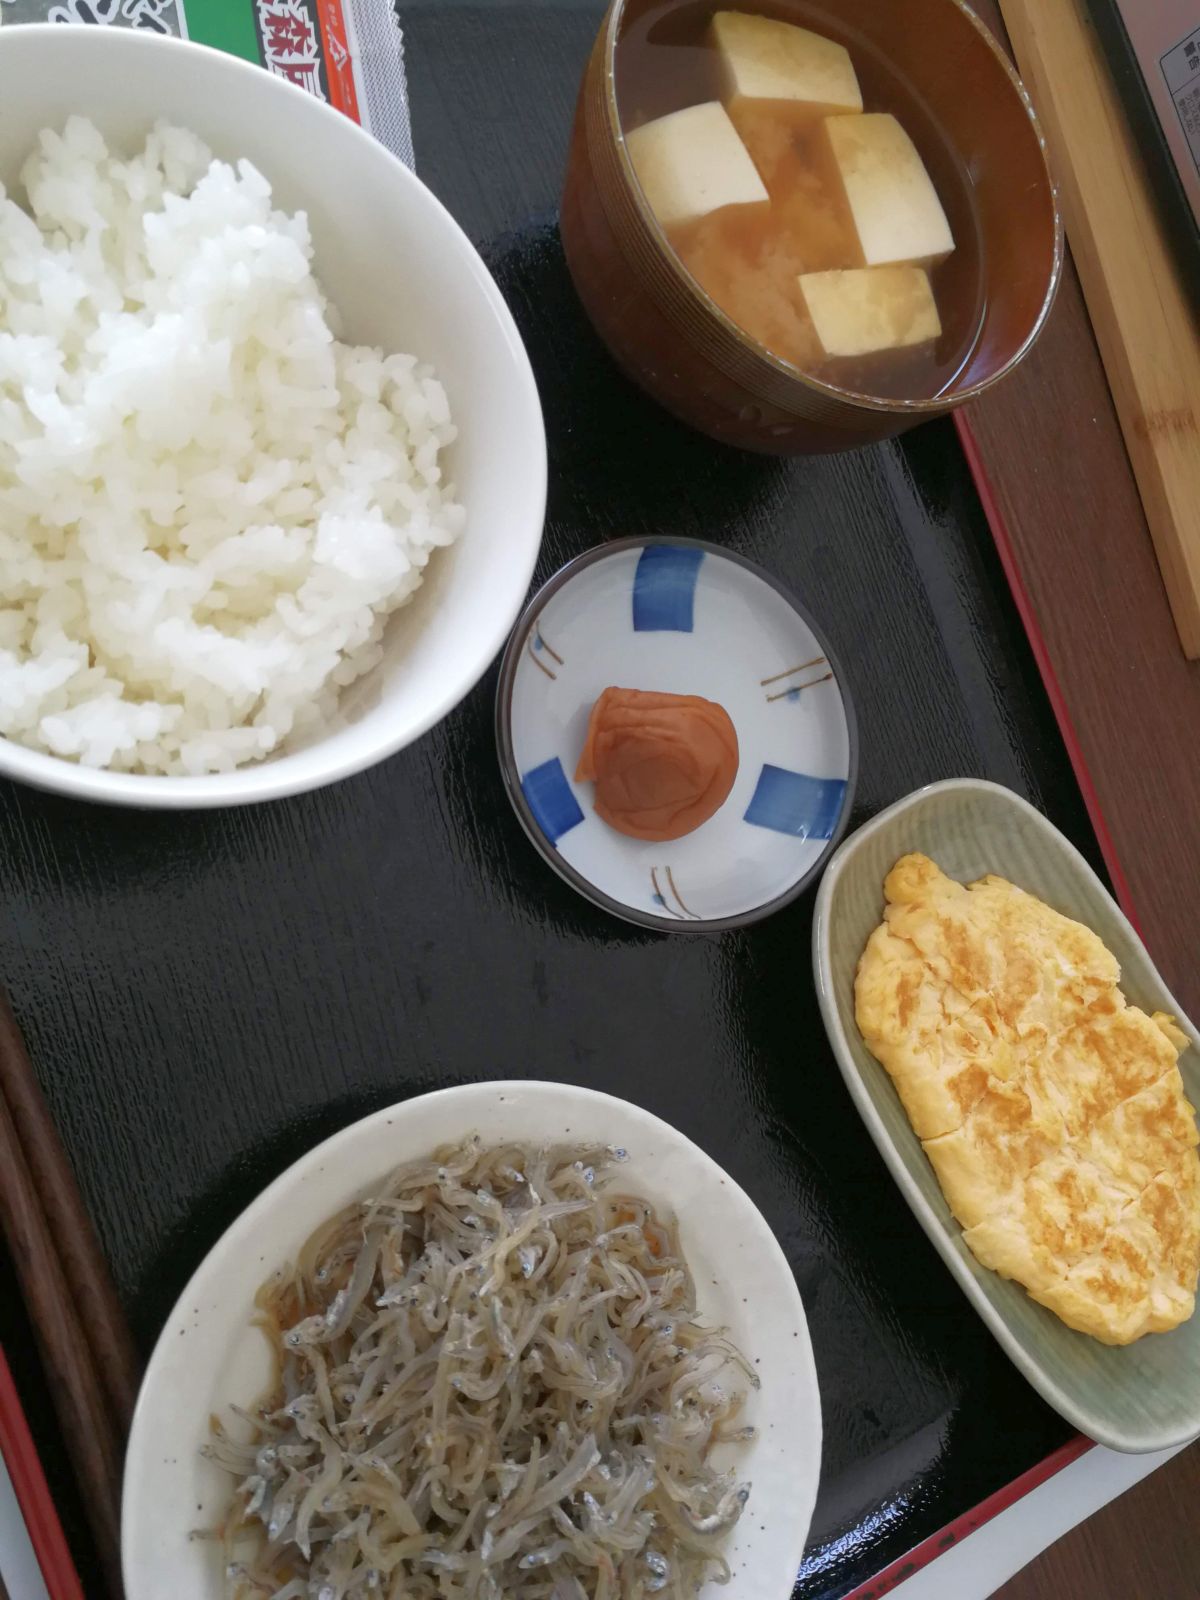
{"points": [[679, 616]]}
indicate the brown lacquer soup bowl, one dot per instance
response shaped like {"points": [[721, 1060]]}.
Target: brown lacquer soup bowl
{"points": [[933, 63]]}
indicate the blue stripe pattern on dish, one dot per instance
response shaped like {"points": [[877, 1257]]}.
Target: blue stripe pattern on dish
{"points": [[551, 799], [664, 589], [793, 802]]}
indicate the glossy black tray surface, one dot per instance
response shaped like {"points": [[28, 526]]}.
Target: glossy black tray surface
{"points": [[206, 995]]}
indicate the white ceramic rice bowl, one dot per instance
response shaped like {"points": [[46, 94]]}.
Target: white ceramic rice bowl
{"points": [[403, 275]]}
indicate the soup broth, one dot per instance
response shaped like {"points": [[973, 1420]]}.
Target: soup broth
{"points": [[749, 257]]}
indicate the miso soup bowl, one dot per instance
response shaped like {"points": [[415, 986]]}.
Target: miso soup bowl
{"points": [[675, 342]]}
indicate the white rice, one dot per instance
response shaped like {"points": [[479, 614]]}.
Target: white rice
{"points": [[208, 506]]}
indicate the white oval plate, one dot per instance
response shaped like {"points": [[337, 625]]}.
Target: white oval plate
{"points": [[682, 617], [208, 1355]]}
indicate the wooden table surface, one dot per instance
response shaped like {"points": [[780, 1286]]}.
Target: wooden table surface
{"points": [[1144, 1546], [1050, 448]]}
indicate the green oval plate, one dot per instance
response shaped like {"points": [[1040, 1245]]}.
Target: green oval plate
{"points": [[1144, 1396]]}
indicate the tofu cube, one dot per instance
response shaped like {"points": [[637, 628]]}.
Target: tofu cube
{"points": [[762, 59], [865, 309], [692, 162], [895, 208]]}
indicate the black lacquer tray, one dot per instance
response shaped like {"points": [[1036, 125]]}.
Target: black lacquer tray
{"points": [[206, 995]]}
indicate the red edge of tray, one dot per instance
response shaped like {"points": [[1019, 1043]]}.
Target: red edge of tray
{"points": [[922, 1555], [33, 1495]]}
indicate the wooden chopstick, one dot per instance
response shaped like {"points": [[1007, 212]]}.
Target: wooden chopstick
{"points": [[69, 1223], [89, 1430], [60, 1312]]}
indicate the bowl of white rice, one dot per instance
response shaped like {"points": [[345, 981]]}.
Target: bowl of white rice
{"points": [[272, 463]]}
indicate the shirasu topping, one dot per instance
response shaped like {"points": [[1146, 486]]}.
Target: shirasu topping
{"points": [[492, 1386]]}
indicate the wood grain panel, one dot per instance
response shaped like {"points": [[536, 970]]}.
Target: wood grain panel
{"points": [[1141, 315], [1051, 446], [1144, 1546]]}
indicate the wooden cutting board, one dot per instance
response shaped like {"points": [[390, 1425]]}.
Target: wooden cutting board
{"points": [[1140, 312]]}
